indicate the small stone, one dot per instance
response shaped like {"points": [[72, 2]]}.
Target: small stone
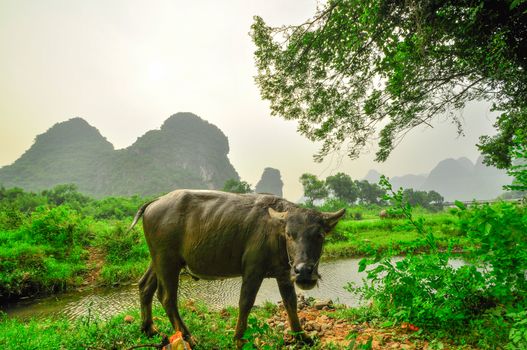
{"points": [[319, 304], [324, 318], [128, 319]]}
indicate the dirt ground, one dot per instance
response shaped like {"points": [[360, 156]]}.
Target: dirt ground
{"points": [[318, 323], [95, 263]]}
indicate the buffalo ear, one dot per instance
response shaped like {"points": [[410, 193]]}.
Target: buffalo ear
{"points": [[282, 216], [332, 219]]}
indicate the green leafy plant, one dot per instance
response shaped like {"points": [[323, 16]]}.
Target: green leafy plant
{"points": [[518, 170], [256, 331], [431, 292], [518, 332]]}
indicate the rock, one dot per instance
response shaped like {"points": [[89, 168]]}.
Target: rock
{"points": [[128, 319], [324, 318], [312, 334], [319, 304]]}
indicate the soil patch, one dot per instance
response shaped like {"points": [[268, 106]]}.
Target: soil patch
{"points": [[319, 321], [95, 263]]}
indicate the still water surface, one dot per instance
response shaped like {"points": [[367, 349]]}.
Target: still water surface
{"points": [[104, 303]]}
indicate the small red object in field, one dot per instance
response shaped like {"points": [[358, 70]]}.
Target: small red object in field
{"points": [[409, 326], [413, 327], [177, 342]]}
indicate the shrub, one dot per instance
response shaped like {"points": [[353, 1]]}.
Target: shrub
{"points": [[427, 291]]}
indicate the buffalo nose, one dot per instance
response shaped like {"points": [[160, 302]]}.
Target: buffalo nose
{"points": [[304, 268]]}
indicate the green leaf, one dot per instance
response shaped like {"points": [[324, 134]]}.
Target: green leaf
{"points": [[363, 264], [460, 205], [387, 324]]}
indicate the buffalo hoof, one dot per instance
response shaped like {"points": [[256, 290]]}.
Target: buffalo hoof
{"points": [[190, 340], [149, 330], [306, 340], [301, 338]]}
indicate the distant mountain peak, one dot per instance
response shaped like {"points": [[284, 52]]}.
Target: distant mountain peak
{"points": [[181, 118], [270, 182], [72, 131], [186, 152], [454, 179], [373, 176]]}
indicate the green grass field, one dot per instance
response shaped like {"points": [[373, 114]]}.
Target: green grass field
{"points": [[353, 238], [54, 249]]}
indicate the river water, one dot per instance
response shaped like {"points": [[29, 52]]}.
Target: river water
{"points": [[107, 302], [217, 294]]}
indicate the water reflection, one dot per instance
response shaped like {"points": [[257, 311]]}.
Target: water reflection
{"points": [[216, 294]]}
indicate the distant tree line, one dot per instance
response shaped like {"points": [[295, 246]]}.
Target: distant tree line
{"points": [[341, 186], [237, 186], [16, 205]]}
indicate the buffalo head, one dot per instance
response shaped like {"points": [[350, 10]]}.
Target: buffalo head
{"points": [[304, 232]]}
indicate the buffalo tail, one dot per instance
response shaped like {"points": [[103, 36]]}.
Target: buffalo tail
{"points": [[140, 213]]}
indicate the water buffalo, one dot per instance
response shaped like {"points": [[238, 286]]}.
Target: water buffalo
{"points": [[215, 235]]}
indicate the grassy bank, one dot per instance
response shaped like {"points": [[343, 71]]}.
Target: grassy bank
{"points": [[331, 329], [58, 249], [59, 246], [354, 238], [62, 240]]}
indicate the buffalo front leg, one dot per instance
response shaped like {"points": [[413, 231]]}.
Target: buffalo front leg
{"points": [[167, 295], [287, 291], [250, 287], [147, 289]]}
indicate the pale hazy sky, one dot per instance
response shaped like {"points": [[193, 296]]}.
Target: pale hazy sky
{"points": [[126, 66]]}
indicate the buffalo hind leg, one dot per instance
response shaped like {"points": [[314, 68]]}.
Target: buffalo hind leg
{"points": [[287, 291], [147, 289], [167, 294], [250, 287]]}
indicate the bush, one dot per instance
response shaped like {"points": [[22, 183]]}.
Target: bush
{"points": [[499, 233], [45, 254], [126, 254], [427, 291]]}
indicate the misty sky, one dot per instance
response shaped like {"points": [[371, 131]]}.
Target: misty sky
{"points": [[126, 66]]}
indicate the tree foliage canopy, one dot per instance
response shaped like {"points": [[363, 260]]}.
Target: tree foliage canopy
{"points": [[342, 187], [359, 66], [313, 187], [237, 186]]}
